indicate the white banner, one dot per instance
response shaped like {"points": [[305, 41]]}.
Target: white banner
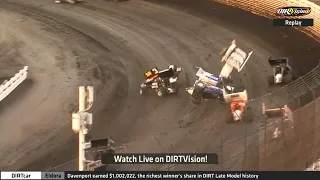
{"points": [[20, 174]]}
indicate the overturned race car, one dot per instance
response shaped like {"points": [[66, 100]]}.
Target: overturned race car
{"points": [[162, 82]]}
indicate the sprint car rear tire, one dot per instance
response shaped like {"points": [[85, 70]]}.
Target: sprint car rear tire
{"points": [[176, 91], [175, 87], [141, 92], [288, 79], [161, 92], [239, 89], [248, 115], [196, 100], [229, 117], [270, 80]]}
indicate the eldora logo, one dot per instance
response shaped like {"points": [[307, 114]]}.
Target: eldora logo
{"points": [[293, 11]]}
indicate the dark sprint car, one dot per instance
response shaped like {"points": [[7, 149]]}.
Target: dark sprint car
{"points": [[162, 82], [282, 71]]}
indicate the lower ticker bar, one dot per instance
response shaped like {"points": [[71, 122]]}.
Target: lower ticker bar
{"points": [[83, 175], [263, 175], [293, 22]]}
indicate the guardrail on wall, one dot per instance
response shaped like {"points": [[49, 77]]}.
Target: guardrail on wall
{"points": [[267, 8], [9, 85]]}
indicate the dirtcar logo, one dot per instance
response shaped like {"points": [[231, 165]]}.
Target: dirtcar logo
{"points": [[293, 11]]}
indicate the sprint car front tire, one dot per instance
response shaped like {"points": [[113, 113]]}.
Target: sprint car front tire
{"points": [[248, 115], [196, 99], [176, 91], [229, 117]]}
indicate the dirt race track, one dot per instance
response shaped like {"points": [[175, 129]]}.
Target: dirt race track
{"points": [[109, 45]]}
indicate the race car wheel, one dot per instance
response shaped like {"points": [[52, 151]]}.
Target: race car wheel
{"points": [[248, 115], [141, 91], [229, 117], [161, 92], [175, 87], [196, 98], [199, 89], [222, 100], [288, 79], [270, 80], [176, 91], [173, 67]]}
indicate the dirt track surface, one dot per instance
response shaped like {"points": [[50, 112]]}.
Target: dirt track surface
{"points": [[109, 45]]}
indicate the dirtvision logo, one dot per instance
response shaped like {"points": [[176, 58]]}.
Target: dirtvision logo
{"points": [[293, 11]]}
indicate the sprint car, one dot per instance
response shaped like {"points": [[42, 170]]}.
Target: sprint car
{"points": [[162, 82], [239, 110], [282, 71], [209, 86]]}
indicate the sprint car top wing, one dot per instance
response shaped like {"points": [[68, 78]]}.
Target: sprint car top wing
{"points": [[234, 57], [151, 73]]}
